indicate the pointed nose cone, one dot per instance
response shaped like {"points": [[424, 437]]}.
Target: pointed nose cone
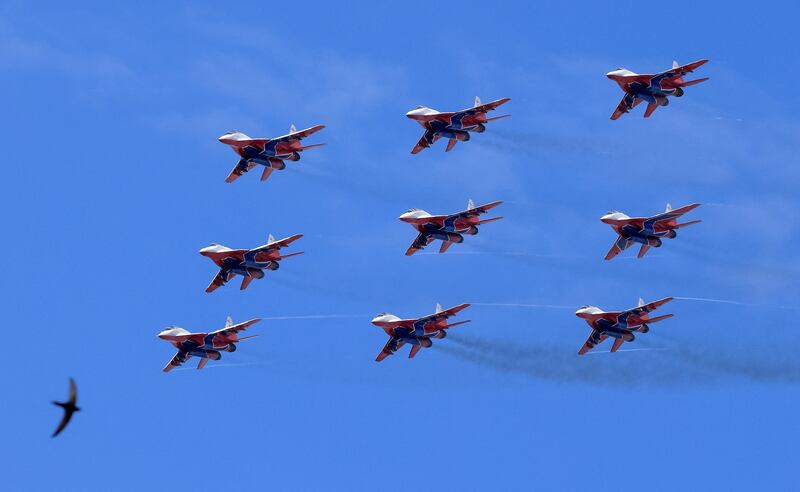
{"points": [[164, 333], [208, 250]]}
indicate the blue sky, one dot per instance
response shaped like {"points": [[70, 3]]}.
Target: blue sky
{"points": [[114, 181]]}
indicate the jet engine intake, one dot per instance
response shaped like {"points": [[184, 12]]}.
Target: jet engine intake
{"points": [[255, 273], [441, 334], [471, 231], [672, 234], [273, 265], [425, 342], [480, 128], [654, 242], [662, 100]]}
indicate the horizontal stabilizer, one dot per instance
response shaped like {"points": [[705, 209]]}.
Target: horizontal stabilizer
{"points": [[414, 350], [489, 220], [456, 324], [659, 318], [202, 363], [617, 344], [312, 146], [643, 250], [687, 224], [694, 82], [245, 282], [498, 117], [290, 255]]}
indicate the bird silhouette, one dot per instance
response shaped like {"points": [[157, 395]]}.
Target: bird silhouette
{"points": [[69, 407]]}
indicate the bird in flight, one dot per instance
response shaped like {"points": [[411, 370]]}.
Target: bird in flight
{"points": [[69, 407]]}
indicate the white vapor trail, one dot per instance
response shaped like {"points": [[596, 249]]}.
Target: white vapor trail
{"points": [[541, 306], [317, 316], [736, 303]]}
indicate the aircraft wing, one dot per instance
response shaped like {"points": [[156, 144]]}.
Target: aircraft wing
{"points": [[281, 243], [490, 106], [428, 138], [392, 345], [443, 314], [671, 215], [628, 102], [649, 307], [301, 134], [473, 211], [219, 280], [235, 328], [178, 359], [682, 70], [419, 242], [595, 338], [241, 167], [284, 242], [620, 245]]}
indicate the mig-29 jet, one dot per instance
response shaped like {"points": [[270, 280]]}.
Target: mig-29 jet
{"points": [[619, 325], [655, 89], [269, 152], [249, 263], [453, 126], [415, 332]]}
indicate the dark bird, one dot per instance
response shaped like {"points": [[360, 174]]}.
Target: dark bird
{"points": [[69, 407]]}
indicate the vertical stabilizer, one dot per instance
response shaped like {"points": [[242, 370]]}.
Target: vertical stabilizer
{"points": [[477, 101], [470, 204], [292, 129], [228, 322], [438, 308]]}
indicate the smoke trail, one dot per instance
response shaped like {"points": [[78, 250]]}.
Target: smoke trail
{"points": [[677, 366], [553, 363]]}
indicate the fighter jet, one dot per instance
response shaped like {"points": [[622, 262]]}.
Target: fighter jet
{"points": [[269, 152], [453, 126], [249, 263], [618, 325], [652, 88], [204, 345], [647, 231], [68, 406], [416, 332], [448, 228]]}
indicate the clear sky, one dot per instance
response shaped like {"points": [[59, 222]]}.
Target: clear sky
{"points": [[113, 180]]}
